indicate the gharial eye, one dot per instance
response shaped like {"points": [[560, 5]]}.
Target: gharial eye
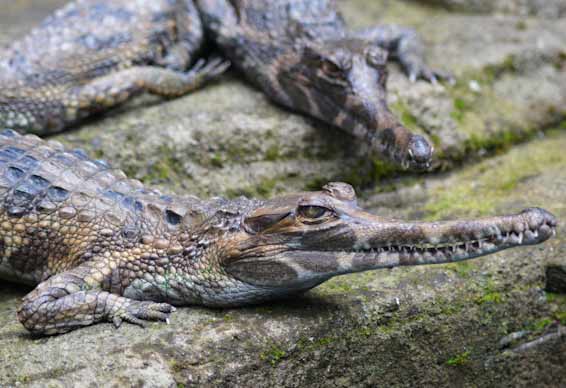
{"points": [[313, 212], [331, 69]]}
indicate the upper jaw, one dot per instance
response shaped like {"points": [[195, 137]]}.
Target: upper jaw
{"points": [[401, 243]]}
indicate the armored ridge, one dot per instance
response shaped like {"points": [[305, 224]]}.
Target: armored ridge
{"points": [[104, 248]]}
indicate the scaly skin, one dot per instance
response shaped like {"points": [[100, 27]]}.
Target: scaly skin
{"points": [[101, 247], [301, 54], [92, 55]]}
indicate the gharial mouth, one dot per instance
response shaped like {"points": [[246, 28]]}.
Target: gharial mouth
{"points": [[451, 241]]}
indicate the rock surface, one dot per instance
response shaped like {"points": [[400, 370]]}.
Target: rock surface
{"points": [[542, 8], [486, 322]]}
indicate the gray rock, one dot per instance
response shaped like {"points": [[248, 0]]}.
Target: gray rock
{"points": [[540, 8], [556, 278]]}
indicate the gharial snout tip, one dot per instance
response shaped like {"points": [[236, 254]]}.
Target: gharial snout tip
{"points": [[419, 152]]}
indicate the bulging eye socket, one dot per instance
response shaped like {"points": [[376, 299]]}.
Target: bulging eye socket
{"points": [[314, 214], [331, 69]]}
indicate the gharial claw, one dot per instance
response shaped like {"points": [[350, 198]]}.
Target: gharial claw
{"points": [[209, 69], [432, 76], [139, 313]]}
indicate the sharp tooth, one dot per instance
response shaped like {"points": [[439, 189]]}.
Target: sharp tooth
{"points": [[529, 235], [520, 238]]}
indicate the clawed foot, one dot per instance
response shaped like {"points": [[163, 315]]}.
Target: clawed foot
{"points": [[421, 71], [139, 313], [206, 70]]}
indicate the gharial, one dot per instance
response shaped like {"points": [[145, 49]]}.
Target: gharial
{"points": [[94, 54], [101, 247]]}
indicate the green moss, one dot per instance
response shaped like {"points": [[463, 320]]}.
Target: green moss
{"points": [[462, 268], [310, 344], [266, 186], [460, 109], [402, 111], [561, 317], [490, 297], [459, 359], [167, 168], [272, 153], [324, 341], [23, 379], [521, 25], [483, 187], [553, 297], [338, 286], [273, 355], [364, 331], [228, 318], [216, 161], [541, 324], [498, 141]]}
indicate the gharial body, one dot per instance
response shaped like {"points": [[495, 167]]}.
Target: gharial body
{"points": [[94, 54], [101, 247]]}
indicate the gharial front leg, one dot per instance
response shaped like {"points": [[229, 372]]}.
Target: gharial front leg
{"points": [[74, 299], [114, 88], [190, 37], [49, 110], [404, 45]]}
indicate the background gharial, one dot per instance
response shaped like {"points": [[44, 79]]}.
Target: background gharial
{"points": [[95, 54]]}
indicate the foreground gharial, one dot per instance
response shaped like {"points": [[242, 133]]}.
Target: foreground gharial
{"points": [[102, 247], [95, 54]]}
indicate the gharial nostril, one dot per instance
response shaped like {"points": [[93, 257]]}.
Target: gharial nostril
{"points": [[538, 216], [420, 150]]}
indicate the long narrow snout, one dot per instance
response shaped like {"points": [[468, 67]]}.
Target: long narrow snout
{"points": [[388, 244], [399, 144]]}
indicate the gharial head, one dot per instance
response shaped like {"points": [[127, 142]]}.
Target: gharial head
{"points": [[293, 243], [343, 82]]}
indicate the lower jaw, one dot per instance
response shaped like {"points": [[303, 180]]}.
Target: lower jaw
{"points": [[408, 257]]}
